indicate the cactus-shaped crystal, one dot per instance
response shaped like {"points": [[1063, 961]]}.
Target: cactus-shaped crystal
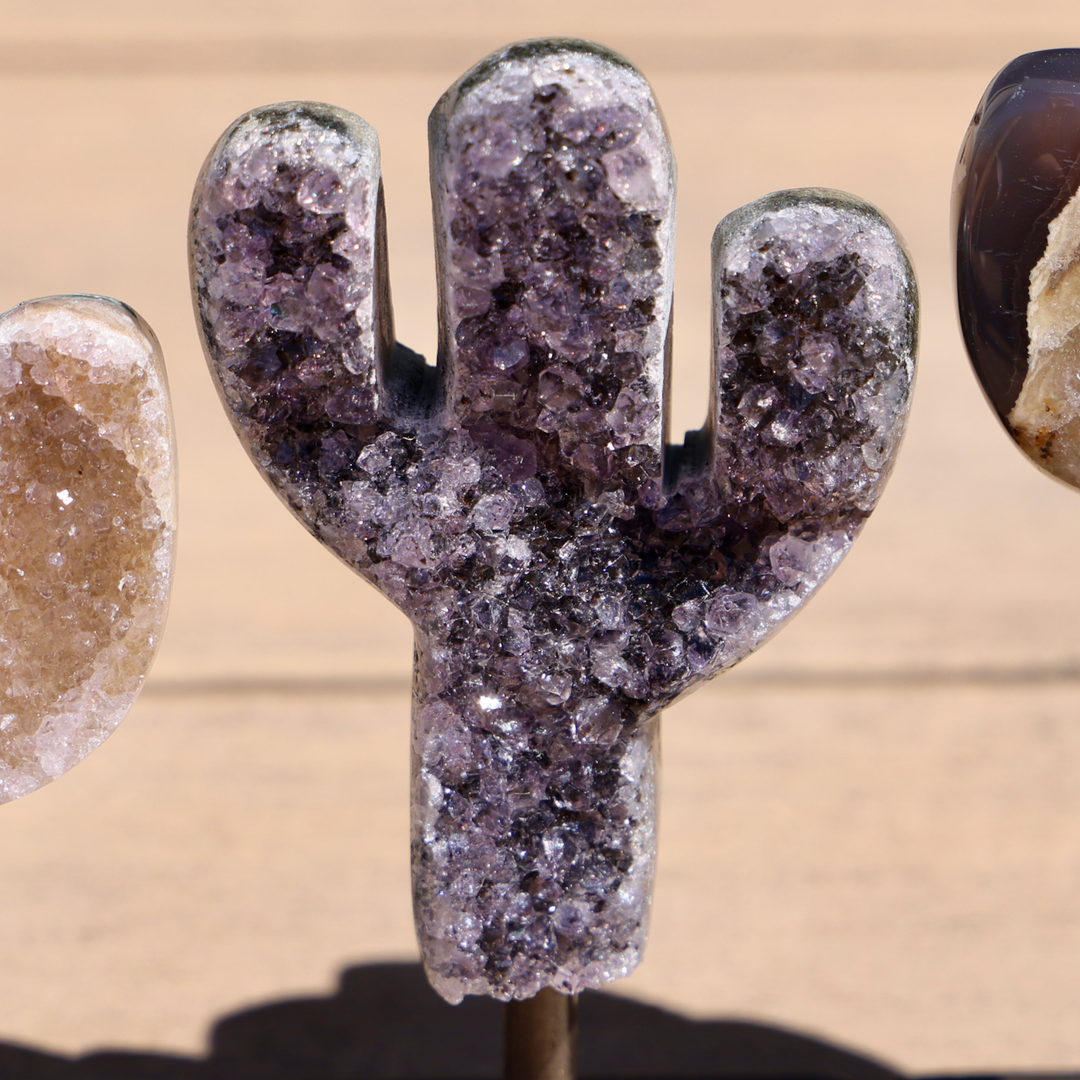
{"points": [[567, 573]]}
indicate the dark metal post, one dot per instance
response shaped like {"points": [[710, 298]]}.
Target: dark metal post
{"points": [[541, 1038]]}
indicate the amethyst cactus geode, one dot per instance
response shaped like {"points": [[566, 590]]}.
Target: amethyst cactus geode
{"points": [[567, 572]]}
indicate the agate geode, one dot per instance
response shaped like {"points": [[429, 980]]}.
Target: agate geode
{"points": [[1017, 219], [568, 573]]}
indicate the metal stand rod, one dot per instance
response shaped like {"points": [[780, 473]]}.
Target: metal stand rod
{"points": [[540, 1041]]}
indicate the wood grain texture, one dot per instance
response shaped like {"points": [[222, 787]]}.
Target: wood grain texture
{"points": [[880, 850]]}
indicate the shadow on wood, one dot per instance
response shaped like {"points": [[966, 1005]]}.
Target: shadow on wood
{"points": [[385, 1023]]}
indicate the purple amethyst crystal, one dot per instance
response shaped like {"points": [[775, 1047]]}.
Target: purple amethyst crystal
{"points": [[568, 575]]}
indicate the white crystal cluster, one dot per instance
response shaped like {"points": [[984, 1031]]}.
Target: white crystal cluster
{"points": [[1046, 417]]}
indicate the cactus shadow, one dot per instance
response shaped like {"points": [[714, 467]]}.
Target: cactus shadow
{"points": [[385, 1023]]}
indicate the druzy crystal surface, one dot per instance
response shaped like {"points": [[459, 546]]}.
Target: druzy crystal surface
{"points": [[1017, 216], [86, 528], [568, 575]]}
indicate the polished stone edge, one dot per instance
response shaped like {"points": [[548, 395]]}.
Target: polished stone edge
{"points": [[533, 53]]}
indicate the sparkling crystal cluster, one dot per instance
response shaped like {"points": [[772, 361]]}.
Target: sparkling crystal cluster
{"points": [[568, 575], [86, 528], [1017, 217]]}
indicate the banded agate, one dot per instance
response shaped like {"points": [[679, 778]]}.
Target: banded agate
{"points": [[1017, 220]]}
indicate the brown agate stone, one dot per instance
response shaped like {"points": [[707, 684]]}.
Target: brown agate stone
{"points": [[1018, 253], [86, 528]]}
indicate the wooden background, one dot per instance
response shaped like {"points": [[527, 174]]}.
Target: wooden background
{"points": [[870, 832]]}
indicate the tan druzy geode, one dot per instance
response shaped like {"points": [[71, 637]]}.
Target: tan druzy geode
{"points": [[86, 528]]}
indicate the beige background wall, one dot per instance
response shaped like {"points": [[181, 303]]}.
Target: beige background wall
{"points": [[870, 833]]}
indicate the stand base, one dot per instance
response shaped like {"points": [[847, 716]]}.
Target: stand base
{"points": [[540, 1041]]}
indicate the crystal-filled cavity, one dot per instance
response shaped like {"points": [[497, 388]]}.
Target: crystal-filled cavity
{"points": [[1017, 219], [86, 528], [568, 575]]}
